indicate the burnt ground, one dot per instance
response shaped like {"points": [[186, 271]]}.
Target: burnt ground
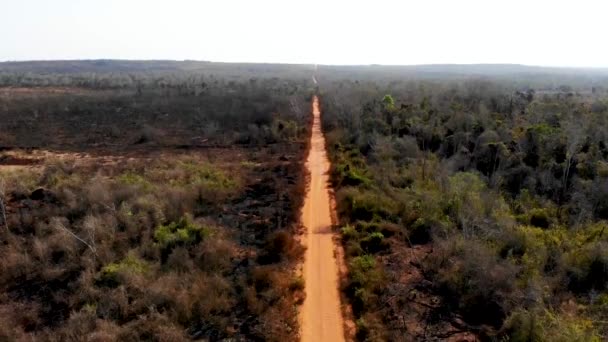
{"points": [[267, 202]]}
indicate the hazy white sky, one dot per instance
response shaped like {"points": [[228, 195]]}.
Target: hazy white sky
{"points": [[536, 32]]}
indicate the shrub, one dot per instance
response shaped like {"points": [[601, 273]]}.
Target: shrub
{"points": [[472, 280], [360, 267], [374, 243], [539, 218], [349, 175], [280, 245], [363, 329], [543, 325], [152, 327], [588, 268], [370, 328], [285, 130], [132, 178], [182, 232], [365, 277], [206, 175], [366, 205], [349, 232], [215, 255], [297, 284], [179, 260], [116, 273]]}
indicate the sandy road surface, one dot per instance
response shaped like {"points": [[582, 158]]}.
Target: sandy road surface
{"points": [[321, 312]]}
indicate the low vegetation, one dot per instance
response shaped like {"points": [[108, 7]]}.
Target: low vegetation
{"points": [[160, 213]]}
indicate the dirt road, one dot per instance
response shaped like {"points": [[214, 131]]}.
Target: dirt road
{"points": [[321, 313]]}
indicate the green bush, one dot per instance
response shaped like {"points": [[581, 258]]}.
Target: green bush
{"points": [[285, 130], [115, 273], [365, 278], [366, 205], [349, 233], [374, 242], [131, 178], [544, 325], [206, 175], [361, 267], [182, 232], [588, 268], [347, 174]]}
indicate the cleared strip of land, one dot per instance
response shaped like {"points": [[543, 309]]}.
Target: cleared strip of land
{"points": [[321, 312]]}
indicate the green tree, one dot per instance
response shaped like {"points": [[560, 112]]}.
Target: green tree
{"points": [[388, 102]]}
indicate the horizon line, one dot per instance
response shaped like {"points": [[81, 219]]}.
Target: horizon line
{"points": [[296, 63]]}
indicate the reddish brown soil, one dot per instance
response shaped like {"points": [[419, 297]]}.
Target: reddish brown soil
{"points": [[321, 313]]}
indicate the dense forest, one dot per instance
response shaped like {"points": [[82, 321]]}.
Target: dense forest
{"points": [[143, 201], [472, 206]]}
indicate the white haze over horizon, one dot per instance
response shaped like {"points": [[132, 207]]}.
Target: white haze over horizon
{"points": [[541, 32]]}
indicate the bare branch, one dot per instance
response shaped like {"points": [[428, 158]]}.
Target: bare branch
{"points": [[60, 225]]}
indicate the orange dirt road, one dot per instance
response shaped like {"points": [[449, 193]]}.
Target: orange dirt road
{"points": [[321, 312]]}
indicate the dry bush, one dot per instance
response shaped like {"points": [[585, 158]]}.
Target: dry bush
{"points": [[113, 304], [213, 298], [77, 327], [214, 254], [281, 246], [180, 261], [268, 296], [99, 193], [105, 331], [17, 319], [177, 202], [16, 263], [92, 254], [152, 327], [473, 281]]}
